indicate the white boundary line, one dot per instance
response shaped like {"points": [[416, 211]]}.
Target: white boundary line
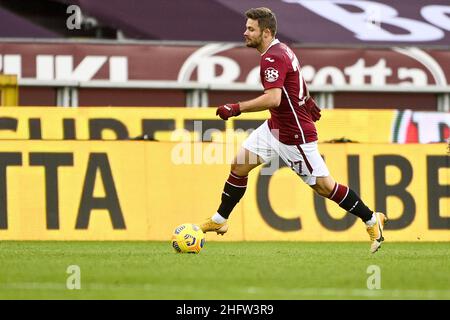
{"points": [[255, 291]]}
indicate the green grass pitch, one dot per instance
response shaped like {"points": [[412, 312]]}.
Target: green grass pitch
{"points": [[224, 270]]}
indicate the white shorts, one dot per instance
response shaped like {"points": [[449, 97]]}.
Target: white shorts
{"points": [[304, 159]]}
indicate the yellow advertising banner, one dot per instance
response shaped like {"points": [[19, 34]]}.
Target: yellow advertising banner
{"points": [[175, 124], [140, 190]]}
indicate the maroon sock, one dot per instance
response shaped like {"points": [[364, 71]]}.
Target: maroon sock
{"points": [[347, 199], [233, 191]]}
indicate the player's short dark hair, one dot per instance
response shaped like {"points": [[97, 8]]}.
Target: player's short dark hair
{"points": [[266, 18]]}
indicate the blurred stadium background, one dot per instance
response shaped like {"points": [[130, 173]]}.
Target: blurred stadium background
{"points": [[108, 132]]}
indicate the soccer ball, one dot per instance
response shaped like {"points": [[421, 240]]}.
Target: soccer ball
{"points": [[188, 238]]}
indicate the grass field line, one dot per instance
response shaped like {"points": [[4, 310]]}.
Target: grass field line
{"points": [[252, 292]]}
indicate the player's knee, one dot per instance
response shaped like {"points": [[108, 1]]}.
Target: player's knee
{"points": [[324, 186], [239, 169], [321, 190]]}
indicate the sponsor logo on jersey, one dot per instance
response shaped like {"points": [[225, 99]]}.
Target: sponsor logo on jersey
{"points": [[271, 74]]}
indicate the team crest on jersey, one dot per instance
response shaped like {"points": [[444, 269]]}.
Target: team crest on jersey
{"points": [[271, 74]]}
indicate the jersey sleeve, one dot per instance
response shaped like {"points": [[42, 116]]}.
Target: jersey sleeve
{"points": [[273, 71]]}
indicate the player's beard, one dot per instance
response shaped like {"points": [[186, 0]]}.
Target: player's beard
{"points": [[254, 43]]}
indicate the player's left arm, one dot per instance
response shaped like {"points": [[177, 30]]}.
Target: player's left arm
{"points": [[271, 98], [273, 73]]}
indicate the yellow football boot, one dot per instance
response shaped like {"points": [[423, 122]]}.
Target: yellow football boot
{"points": [[376, 231], [211, 226]]}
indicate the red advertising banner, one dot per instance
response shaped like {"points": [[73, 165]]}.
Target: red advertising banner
{"points": [[222, 63]]}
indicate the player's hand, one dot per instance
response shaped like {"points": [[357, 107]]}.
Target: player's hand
{"points": [[312, 109], [228, 110]]}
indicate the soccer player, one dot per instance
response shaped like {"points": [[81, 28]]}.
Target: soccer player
{"points": [[290, 132]]}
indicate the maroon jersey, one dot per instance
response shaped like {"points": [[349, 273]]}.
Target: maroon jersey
{"points": [[281, 69]]}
